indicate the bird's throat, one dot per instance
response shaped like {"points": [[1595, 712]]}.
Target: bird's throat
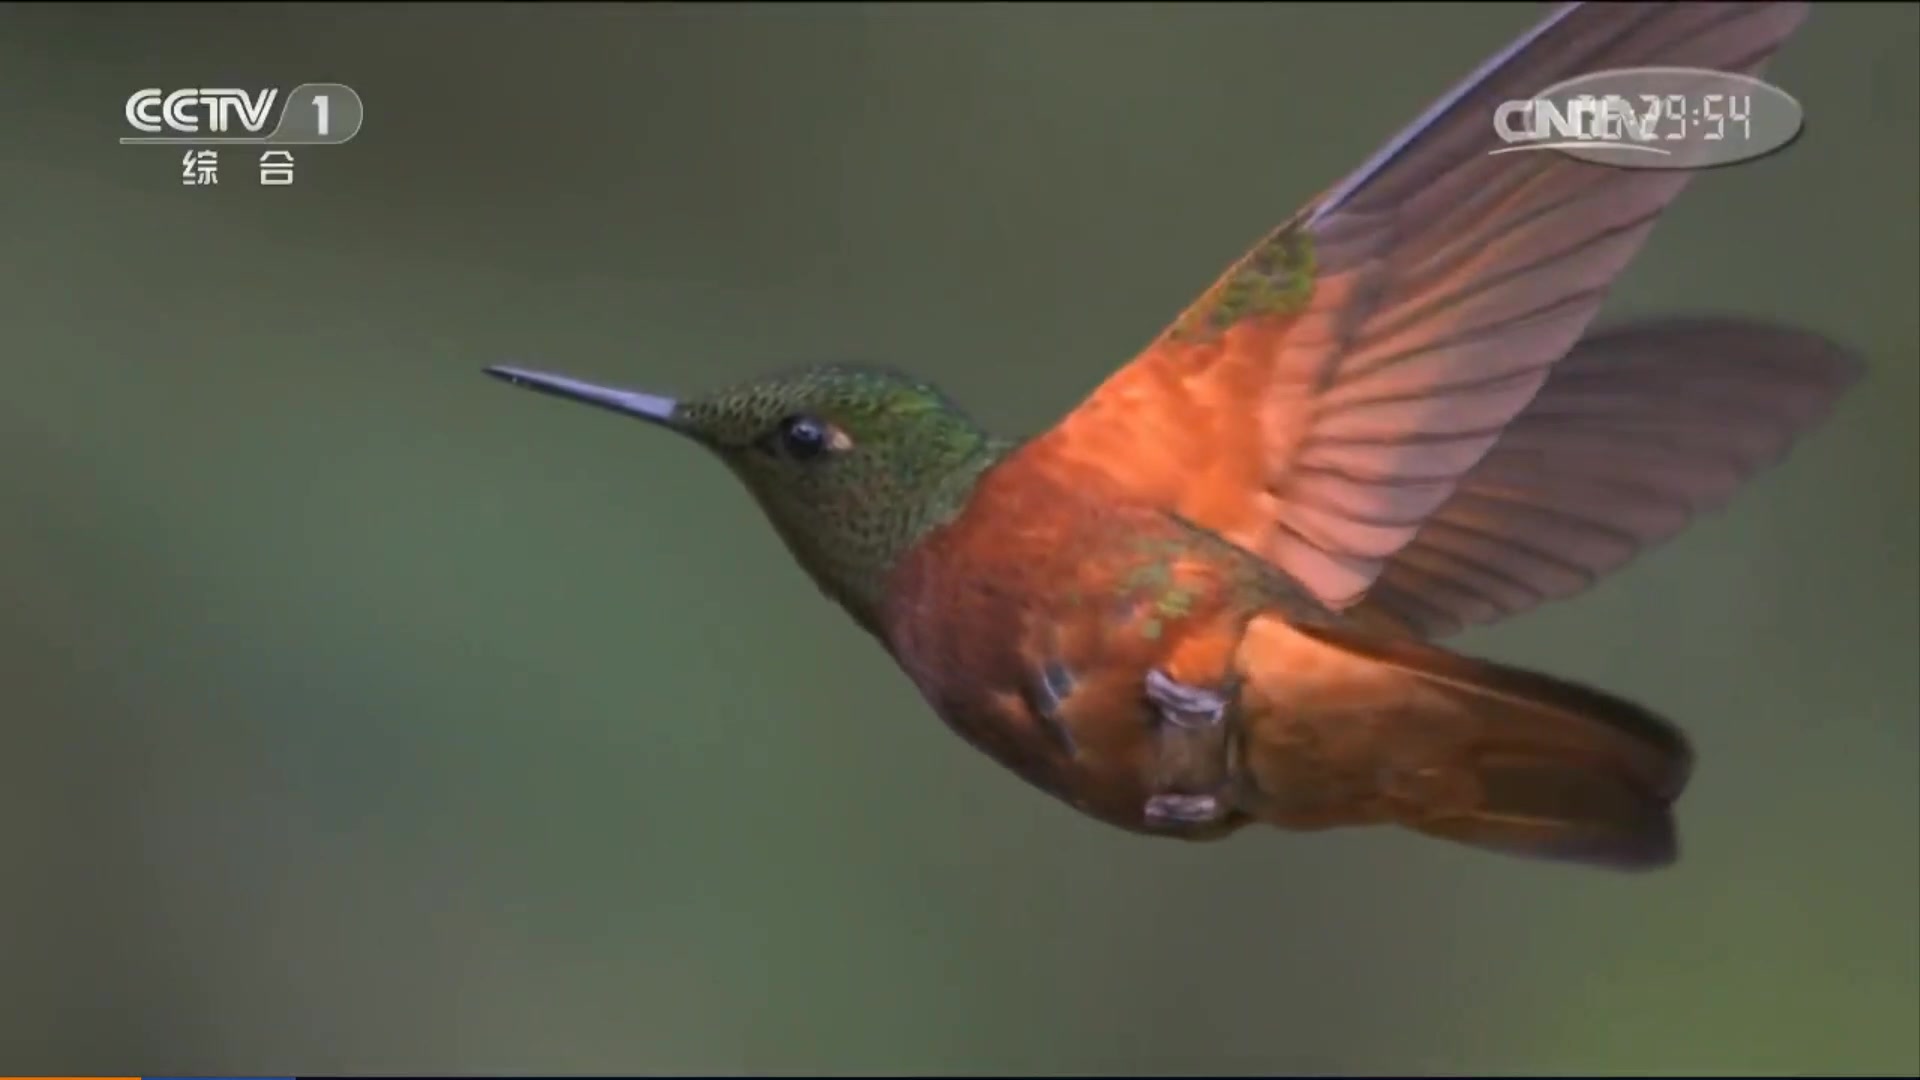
{"points": [[851, 554]]}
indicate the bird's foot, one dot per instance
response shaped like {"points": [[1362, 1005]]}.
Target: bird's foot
{"points": [[1185, 706], [1192, 748], [1179, 811]]}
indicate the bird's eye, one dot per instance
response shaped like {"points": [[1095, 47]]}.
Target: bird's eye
{"points": [[805, 437]]}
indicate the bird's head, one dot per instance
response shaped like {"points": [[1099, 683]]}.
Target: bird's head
{"points": [[852, 465]]}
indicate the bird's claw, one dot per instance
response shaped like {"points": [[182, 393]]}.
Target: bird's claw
{"points": [[1183, 705], [1177, 810]]}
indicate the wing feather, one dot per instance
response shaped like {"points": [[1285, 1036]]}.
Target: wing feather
{"points": [[1639, 430], [1323, 400]]}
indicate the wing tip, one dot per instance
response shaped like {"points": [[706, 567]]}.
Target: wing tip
{"points": [[1819, 357]]}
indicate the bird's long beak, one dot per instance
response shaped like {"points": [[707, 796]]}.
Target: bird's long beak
{"points": [[652, 408]]}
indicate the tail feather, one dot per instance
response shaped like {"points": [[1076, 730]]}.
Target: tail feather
{"points": [[1342, 727]]}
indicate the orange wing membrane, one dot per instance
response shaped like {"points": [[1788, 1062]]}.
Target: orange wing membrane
{"points": [[1335, 390]]}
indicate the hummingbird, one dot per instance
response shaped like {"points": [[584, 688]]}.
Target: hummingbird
{"points": [[1213, 594]]}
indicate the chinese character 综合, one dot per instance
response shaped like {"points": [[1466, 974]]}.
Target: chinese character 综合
{"points": [[276, 168], [200, 167]]}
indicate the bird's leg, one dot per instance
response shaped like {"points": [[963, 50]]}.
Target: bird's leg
{"points": [[1192, 763]]}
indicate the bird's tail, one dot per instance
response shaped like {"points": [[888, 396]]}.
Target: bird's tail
{"points": [[1341, 727]]}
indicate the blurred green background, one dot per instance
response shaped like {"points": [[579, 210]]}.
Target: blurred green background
{"points": [[363, 714]]}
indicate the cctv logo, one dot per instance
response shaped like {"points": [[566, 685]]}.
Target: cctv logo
{"points": [[184, 111]]}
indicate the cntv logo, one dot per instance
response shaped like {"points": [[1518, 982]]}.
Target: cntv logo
{"points": [[186, 111]]}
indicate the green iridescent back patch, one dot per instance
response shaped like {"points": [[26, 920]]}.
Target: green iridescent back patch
{"points": [[1275, 278]]}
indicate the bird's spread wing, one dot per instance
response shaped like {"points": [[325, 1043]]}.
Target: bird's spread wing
{"points": [[1638, 429], [1324, 398]]}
